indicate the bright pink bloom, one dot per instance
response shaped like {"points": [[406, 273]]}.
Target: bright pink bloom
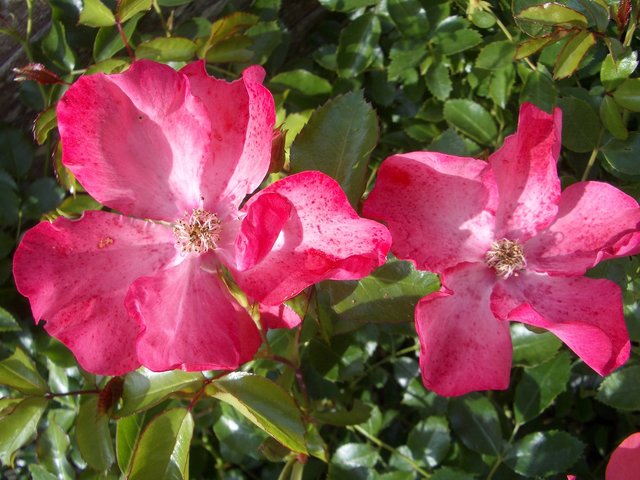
{"points": [[624, 463], [508, 245], [176, 153]]}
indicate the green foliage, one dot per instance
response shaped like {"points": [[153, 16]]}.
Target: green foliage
{"points": [[341, 396]]}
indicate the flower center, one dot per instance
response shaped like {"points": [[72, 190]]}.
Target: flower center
{"points": [[506, 257], [198, 231]]}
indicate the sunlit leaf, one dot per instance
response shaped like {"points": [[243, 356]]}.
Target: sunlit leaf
{"points": [[266, 404], [337, 140], [143, 388], [162, 450], [18, 371], [19, 426], [96, 14], [93, 434]]}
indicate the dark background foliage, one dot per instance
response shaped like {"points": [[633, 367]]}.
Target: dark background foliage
{"points": [[340, 396]]}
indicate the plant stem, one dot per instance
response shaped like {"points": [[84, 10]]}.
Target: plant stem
{"points": [[494, 469], [592, 159], [389, 448]]}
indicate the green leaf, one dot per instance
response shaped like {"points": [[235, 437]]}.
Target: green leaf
{"points": [[540, 90], [127, 9], [621, 389], [614, 72], [611, 117], [127, 433], [346, 5], [163, 49], [56, 48], [337, 140], [356, 455], [574, 50], [17, 152], [622, 156], [19, 372], [110, 65], [340, 416], [53, 445], [40, 473], [404, 56], [231, 50], [475, 420], [19, 426], [451, 42], [357, 44], [438, 81], [45, 122], [531, 46], [143, 388], [163, 448], [501, 84], [73, 207], [388, 295], [266, 404], [627, 95], [304, 81], [544, 453], [410, 18], [95, 14], [472, 119], [7, 322], [429, 440], [530, 348], [93, 434], [496, 55], [540, 385], [449, 142], [552, 13], [579, 136], [108, 41]]}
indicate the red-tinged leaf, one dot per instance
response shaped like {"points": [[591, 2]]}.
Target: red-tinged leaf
{"points": [[38, 73]]}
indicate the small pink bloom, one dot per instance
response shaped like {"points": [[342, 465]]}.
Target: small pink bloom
{"points": [[176, 153], [508, 245], [624, 463]]}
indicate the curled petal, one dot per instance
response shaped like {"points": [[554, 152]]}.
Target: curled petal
{"points": [[260, 228], [439, 208], [323, 238], [279, 316], [189, 320], [463, 347], [585, 313], [526, 173], [76, 275], [242, 116], [595, 221], [137, 141], [624, 463]]}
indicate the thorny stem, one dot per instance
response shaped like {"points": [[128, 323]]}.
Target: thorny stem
{"points": [[389, 448], [158, 11]]}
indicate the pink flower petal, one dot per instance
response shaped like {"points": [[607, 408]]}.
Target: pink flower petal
{"points": [[137, 141], [322, 239], [189, 320], [595, 221], [260, 228], [585, 313], [439, 208], [279, 316], [463, 347], [526, 173], [624, 463], [76, 275], [242, 116]]}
